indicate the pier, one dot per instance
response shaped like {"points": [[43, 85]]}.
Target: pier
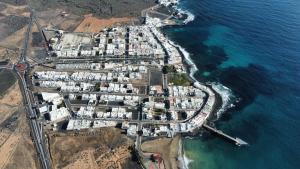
{"points": [[237, 141]]}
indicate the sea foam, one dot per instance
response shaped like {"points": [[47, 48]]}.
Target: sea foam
{"points": [[190, 16], [188, 60], [227, 96], [182, 158]]}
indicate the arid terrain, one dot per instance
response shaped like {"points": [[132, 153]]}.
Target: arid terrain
{"points": [[166, 147], [13, 24], [94, 25], [69, 15], [101, 8], [16, 147], [101, 149]]}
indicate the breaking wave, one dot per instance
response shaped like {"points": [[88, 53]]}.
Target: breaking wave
{"points": [[188, 59], [227, 96], [183, 159], [190, 16]]}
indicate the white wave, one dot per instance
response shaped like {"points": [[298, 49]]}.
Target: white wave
{"points": [[186, 162], [227, 97], [226, 94], [188, 59], [190, 16], [183, 159]]}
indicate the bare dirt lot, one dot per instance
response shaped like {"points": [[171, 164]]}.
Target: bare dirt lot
{"points": [[15, 2], [100, 8], [68, 14], [16, 147], [13, 23], [17, 150], [9, 102], [94, 25], [167, 147], [101, 149], [58, 18]]}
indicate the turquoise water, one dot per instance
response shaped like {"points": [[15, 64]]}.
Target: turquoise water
{"points": [[224, 37], [252, 47]]}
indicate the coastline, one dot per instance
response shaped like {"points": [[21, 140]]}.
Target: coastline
{"points": [[222, 98], [191, 68], [184, 161], [166, 148]]}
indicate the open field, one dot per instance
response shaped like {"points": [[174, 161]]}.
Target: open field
{"points": [[15, 40], [98, 149], [17, 150], [16, 147], [10, 24], [94, 25], [69, 14], [15, 2], [7, 79], [166, 147], [100, 8], [8, 8], [13, 23], [9, 102]]}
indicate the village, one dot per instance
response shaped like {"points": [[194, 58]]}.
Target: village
{"points": [[126, 76]]}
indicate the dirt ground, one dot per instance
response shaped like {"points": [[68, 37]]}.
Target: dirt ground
{"points": [[101, 149], [17, 151], [94, 25], [101, 8], [16, 147], [58, 18], [10, 101], [13, 9], [12, 97], [167, 147], [14, 40], [13, 24]]}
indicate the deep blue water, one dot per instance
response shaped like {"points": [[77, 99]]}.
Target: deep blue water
{"points": [[252, 47]]}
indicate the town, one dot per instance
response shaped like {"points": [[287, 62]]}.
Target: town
{"points": [[131, 76], [98, 84]]}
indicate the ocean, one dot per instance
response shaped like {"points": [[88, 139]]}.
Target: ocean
{"points": [[253, 48]]}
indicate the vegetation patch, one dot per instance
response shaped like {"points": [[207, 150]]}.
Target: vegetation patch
{"points": [[169, 69], [180, 79]]}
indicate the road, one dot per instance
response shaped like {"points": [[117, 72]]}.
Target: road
{"points": [[35, 126], [145, 11], [139, 129]]}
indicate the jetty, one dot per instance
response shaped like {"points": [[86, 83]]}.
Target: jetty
{"points": [[237, 141]]}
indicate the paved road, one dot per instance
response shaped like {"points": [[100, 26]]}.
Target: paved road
{"points": [[139, 129], [34, 124], [145, 11]]}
